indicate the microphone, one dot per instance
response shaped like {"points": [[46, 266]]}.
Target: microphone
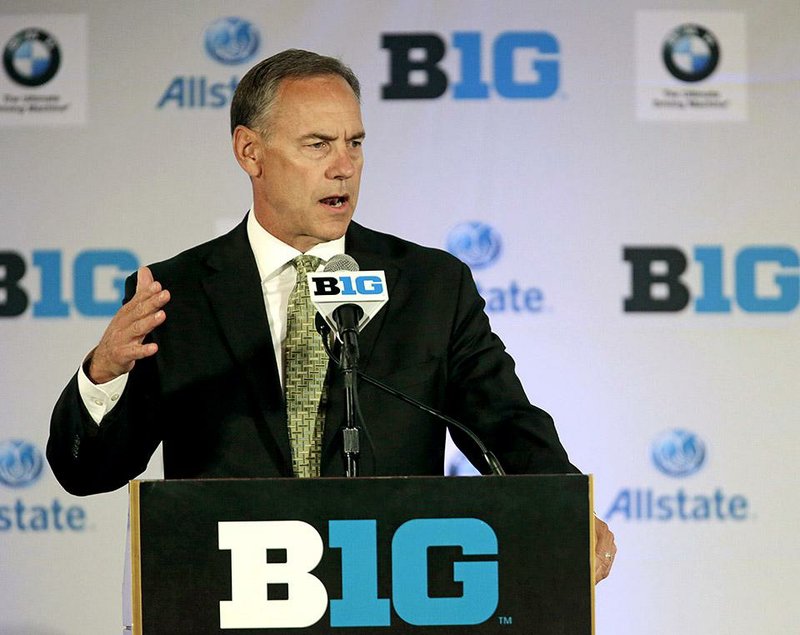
{"points": [[346, 316], [347, 299]]}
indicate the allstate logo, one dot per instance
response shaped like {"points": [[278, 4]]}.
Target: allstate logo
{"points": [[475, 243], [691, 53], [231, 40], [20, 463], [32, 57], [678, 453]]}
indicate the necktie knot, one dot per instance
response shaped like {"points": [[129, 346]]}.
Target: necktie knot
{"points": [[305, 265]]}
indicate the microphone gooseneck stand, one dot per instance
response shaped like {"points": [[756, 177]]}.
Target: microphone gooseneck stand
{"points": [[349, 365], [346, 317], [352, 406]]}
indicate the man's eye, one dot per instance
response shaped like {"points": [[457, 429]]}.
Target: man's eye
{"points": [[357, 143], [319, 145]]}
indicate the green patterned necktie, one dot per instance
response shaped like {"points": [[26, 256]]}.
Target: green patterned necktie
{"points": [[305, 365]]}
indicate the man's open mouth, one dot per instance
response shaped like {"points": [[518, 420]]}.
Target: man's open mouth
{"points": [[335, 201]]}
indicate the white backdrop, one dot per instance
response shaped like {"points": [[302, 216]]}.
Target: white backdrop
{"points": [[576, 153]]}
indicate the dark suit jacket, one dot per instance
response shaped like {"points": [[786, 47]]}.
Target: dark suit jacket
{"points": [[212, 393]]}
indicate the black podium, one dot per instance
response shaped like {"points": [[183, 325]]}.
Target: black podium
{"points": [[417, 555]]}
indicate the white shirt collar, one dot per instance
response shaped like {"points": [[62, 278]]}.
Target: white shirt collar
{"points": [[273, 255]]}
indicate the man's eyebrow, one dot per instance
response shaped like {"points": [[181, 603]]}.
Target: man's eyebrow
{"points": [[318, 135], [326, 137]]}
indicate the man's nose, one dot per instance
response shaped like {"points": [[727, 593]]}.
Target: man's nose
{"points": [[342, 166]]}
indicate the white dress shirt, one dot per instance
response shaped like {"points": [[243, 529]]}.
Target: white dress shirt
{"points": [[277, 275]]}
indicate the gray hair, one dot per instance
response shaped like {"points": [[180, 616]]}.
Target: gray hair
{"points": [[255, 95]]}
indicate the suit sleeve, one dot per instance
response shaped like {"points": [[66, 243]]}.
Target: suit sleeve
{"points": [[485, 393], [88, 458]]}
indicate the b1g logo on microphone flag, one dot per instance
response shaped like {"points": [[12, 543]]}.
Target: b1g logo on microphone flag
{"points": [[330, 290], [296, 598]]}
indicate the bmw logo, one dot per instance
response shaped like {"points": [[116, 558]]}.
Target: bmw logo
{"points": [[231, 40], [475, 243], [691, 53], [32, 57], [20, 463], [678, 453]]}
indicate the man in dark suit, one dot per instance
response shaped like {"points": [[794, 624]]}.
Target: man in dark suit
{"points": [[207, 382]]}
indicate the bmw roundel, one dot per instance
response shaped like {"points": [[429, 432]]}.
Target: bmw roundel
{"points": [[32, 57], [691, 53]]}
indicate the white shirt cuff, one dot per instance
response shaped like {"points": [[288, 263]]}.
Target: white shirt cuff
{"points": [[100, 399]]}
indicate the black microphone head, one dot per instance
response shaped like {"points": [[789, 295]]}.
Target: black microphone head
{"points": [[341, 262]]}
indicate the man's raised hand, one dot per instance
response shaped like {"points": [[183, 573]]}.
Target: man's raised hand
{"points": [[122, 343]]}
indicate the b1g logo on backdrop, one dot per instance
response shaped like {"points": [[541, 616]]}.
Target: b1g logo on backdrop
{"points": [[97, 277], [230, 41], [691, 66], [480, 246], [678, 454], [765, 279], [296, 598], [21, 466], [524, 65], [44, 69]]}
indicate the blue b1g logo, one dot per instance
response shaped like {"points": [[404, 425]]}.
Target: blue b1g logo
{"points": [[87, 269], [415, 71], [359, 605], [657, 283]]}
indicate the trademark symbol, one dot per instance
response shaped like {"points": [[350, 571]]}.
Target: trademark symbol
{"points": [[505, 620]]}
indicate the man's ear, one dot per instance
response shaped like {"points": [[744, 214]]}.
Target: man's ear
{"points": [[248, 148]]}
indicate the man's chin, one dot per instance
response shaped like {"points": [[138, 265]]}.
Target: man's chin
{"points": [[325, 233], [335, 228]]}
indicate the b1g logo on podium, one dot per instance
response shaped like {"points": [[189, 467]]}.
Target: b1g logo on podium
{"points": [[766, 279], [294, 548]]}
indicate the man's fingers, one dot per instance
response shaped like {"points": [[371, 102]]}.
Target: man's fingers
{"points": [[122, 343], [602, 567], [144, 278], [142, 305], [135, 352], [139, 329], [606, 550]]}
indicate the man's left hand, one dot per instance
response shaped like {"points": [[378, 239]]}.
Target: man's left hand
{"points": [[605, 550]]}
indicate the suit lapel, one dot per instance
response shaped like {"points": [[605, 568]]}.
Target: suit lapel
{"points": [[234, 291]]}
